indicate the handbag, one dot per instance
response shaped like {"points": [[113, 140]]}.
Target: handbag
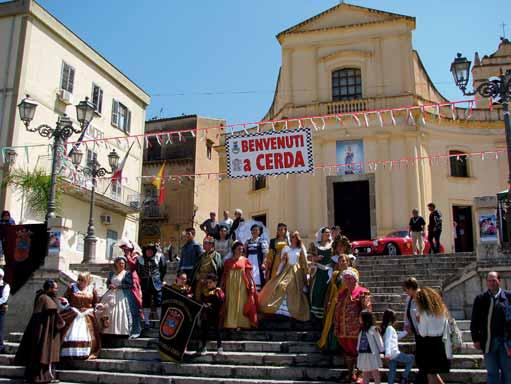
{"points": [[455, 334]]}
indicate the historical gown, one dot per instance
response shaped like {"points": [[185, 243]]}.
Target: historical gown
{"points": [[121, 306], [320, 276], [240, 307], [273, 258], [256, 252], [346, 317], [40, 346], [283, 294], [81, 334], [136, 288], [328, 341]]}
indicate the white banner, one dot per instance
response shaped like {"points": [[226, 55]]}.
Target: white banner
{"points": [[270, 153]]}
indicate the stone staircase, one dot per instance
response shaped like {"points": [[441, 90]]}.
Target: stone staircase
{"points": [[280, 352]]}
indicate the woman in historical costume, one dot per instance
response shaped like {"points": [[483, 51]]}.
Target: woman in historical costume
{"points": [[256, 249], [81, 334], [132, 252], [277, 244], [283, 294], [328, 341], [122, 314], [351, 300], [321, 270], [224, 243], [39, 349], [240, 307]]}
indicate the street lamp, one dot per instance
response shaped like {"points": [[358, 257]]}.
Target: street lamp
{"points": [[60, 133], [498, 88], [94, 170], [10, 157]]}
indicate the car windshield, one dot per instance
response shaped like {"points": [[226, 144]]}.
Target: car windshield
{"points": [[398, 234]]}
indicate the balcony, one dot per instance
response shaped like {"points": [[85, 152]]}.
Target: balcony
{"points": [[346, 106], [153, 211]]}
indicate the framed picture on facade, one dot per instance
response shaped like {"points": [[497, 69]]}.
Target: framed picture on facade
{"points": [[488, 227], [350, 157]]}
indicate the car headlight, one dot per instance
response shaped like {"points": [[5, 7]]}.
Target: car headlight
{"points": [[369, 250], [375, 243]]}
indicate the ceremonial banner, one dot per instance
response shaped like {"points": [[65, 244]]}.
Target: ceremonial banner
{"points": [[25, 247], [270, 153], [179, 314]]}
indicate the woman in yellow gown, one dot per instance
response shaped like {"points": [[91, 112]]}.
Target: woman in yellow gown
{"points": [[240, 307], [284, 293], [273, 258]]}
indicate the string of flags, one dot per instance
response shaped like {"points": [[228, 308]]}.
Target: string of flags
{"points": [[370, 165], [409, 115]]}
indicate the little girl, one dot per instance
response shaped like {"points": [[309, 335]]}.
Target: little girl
{"points": [[369, 347], [392, 354]]}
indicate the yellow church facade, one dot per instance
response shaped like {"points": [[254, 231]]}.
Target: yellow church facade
{"points": [[351, 59]]}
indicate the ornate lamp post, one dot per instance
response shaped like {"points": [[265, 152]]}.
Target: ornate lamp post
{"points": [[499, 88], [93, 170], [60, 133]]}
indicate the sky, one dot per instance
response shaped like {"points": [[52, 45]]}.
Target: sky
{"points": [[221, 58]]}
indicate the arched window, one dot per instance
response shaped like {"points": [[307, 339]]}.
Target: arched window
{"points": [[346, 84], [459, 164]]}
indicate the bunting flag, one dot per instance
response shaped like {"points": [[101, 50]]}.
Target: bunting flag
{"points": [[159, 184], [117, 176]]}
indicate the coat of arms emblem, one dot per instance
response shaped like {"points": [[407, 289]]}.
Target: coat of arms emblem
{"points": [[235, 148], [236, 165], [22, 245], [171, 323]]}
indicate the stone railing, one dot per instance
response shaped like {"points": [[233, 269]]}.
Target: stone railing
{"points": [[346, 106]]}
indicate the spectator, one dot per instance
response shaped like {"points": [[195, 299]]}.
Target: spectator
{"points": [[432, 355], [209, 225], [336, 231], [170, 252], [416, 228], [434, 228], [7, 219], [224, 242], [238, 219], [190, 253], [490, 329], [227, 221], [392, 353], [369, 347], [39, 349], [5, 290]]}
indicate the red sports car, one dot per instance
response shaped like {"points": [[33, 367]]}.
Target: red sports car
{"points": [[395, 243]]}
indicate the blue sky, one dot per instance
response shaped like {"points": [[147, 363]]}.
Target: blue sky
{"points": [[221, 59]]}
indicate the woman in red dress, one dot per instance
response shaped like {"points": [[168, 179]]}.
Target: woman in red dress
{"points": [[351, 300]]}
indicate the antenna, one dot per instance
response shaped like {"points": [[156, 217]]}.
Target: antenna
{"points": [[503, 25]]}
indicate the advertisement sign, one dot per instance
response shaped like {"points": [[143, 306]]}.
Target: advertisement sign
{"points": [[488, 227], [270, 153], [179, 316], [350, 157]]}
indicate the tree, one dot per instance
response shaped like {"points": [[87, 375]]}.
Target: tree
{"points": [[35, 187]]}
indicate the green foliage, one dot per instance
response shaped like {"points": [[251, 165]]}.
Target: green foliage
{"points": [[35, 186]]}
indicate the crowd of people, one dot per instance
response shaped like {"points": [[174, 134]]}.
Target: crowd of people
{"points": [[243, 282]]}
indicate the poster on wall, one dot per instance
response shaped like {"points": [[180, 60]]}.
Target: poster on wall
{"points": [[350, 157], [270, 153], [488, 227]]}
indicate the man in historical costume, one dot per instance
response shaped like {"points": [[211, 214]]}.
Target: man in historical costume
{"points": [[39, 349], [277, 244], [132, 251], [190, 253], [151, 268], [352, 300], [212, 299], [240, 307], [209, 262], [238, 219]]}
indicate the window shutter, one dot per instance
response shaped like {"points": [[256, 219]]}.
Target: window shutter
{"points": [[99, 107], [115, 113], [71, 79], [64, 76], [128, 121]]}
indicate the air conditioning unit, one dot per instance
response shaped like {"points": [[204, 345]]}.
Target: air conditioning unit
{"points": [[106, 219], [65, 96]]}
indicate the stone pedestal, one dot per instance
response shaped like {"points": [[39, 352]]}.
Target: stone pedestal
{"points": [[486, 225], [58, 228]]}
